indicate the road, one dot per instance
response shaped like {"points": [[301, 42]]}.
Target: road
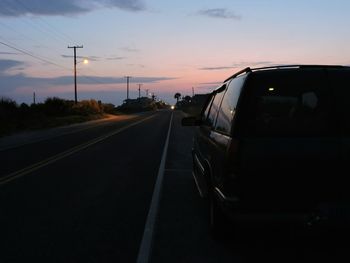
{"points": [[87, 206], [83, 194]]}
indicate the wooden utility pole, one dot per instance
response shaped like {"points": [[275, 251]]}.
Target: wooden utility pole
{"points": [[127, 86], [139, 90], [75, 72]]}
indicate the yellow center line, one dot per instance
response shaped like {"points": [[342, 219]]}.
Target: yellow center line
{"points": [[29, 169], [95, 125]]}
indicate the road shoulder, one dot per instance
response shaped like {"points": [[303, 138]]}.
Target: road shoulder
{"points": [[182, 230]]}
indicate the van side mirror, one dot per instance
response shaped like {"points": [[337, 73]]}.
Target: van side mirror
{"points": [[190, 121]]}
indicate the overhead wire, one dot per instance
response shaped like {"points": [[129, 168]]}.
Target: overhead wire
{"points": [[12, 6], [10, 9], [32, 55], [53, 29]]}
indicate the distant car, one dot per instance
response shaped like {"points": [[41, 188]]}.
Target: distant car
{"points": [[273, 144]]}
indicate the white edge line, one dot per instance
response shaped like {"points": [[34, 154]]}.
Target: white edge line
{"points": [[147, 238]]}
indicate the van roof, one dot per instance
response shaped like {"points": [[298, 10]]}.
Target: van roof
{"points": [[248, 69]]}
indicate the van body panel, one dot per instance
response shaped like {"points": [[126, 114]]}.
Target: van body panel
{"points": [[285, 150]]}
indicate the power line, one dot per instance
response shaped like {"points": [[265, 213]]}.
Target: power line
{"points": [[12, 6], [12, 29], [47, 24], [32, 55], [28, 23], [47, 61]]}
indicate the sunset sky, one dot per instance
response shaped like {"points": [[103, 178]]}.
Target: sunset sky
{"points": [[168, 46]]}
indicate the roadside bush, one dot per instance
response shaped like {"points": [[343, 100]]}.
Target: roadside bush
{"points": [[87, 107], [8, 109], [108, 108], [57, 107], [53, 112]]}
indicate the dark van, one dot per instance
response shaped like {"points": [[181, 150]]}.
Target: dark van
{"points": [[272, 144]]}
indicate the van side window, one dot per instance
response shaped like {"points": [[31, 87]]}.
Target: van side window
{"points": [[207, 108], [215, 107], [228, 105]]}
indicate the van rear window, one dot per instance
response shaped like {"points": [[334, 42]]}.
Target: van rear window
{"points": [[287, 103]]}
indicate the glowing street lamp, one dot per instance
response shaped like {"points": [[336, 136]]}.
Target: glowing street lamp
{"points": [[85, 61]]}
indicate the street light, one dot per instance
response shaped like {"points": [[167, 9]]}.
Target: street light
{"points": [[85, 61]]}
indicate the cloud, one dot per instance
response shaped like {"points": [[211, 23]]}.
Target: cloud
{"points": [[65, 7], [115, 58], [219, 13], [131, 5], [242, 65], [91, 58], [216, 68], [137, 65], [128, 49], [7, 64], [10, 83]]}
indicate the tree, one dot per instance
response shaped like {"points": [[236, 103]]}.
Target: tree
{"points": [[187, 99], [177, 96]]}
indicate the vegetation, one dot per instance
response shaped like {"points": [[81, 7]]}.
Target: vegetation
{"points": [[53, 112], [177, 96], [141, 104]]}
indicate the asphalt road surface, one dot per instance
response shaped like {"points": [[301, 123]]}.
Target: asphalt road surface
{"points": [[87, 205], [84, 193]]}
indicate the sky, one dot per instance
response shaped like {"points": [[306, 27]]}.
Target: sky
{"points": [[167, 46]]}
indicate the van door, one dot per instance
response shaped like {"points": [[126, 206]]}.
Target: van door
{"points": [[203, 133], [200, 149], [220, 135]]}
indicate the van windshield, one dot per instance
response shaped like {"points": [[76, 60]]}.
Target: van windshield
{"points": [[287, 103]]}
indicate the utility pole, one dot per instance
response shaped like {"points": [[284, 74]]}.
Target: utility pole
{"points": [[33, 97], [75, 72], [139, 90], [127, 86], [192, 91], [147, 90]]}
